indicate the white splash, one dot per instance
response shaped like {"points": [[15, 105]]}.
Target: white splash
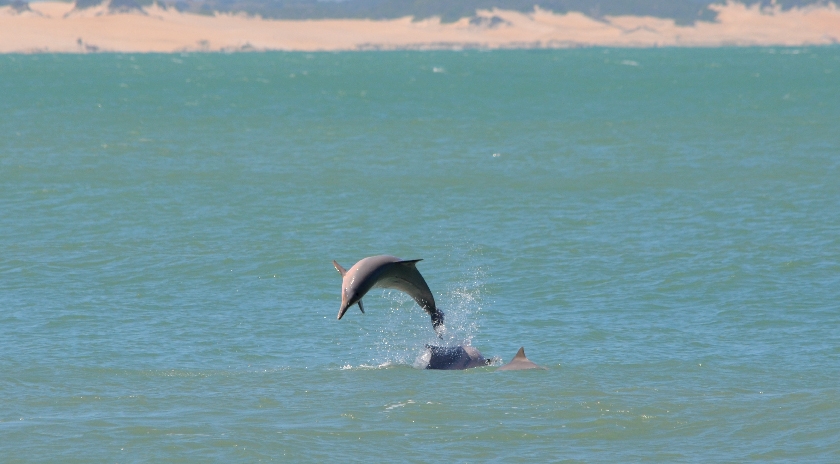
{"points": [[404, 331]]}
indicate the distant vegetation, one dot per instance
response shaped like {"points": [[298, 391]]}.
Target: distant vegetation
{"points": [[683, 11], [17, 5]]}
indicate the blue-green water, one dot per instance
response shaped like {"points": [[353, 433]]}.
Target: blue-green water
{"points": [[660, 228]]}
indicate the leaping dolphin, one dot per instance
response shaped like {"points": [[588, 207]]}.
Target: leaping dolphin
{"points": [[385, 271]]}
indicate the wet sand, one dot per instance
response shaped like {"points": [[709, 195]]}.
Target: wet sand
{"points": [[52, 27]]}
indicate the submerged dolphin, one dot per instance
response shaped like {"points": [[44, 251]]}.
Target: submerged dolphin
{"points": [[386, 272], [453, 357], [519, 362]]}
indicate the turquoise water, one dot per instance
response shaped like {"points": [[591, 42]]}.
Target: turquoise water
{"points": [[660, 228]]}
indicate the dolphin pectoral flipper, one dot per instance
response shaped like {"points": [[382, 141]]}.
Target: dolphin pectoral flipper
{"points": [[361, 307]]}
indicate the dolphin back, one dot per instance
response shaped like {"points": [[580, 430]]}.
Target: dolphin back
{"points": [[404, 276], [454, 357]]}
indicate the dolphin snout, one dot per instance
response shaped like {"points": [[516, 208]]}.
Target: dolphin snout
{"points": [[341, 312], [343, 309]]}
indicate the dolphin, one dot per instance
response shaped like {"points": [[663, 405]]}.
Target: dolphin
{"points": [[453, 357], [519, 363], [386, 271]]}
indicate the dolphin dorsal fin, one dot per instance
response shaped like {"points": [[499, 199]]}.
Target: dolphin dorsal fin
{"points": [[340, 269], [519, 363], [409, 261]]}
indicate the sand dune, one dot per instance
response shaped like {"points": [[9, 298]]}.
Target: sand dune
{"points": [[58, 27]]}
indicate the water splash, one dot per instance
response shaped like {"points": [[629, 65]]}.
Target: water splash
{"points": [[404, 331]]}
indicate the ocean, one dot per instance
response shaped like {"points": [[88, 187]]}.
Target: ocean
{"points": [[660, 228]]}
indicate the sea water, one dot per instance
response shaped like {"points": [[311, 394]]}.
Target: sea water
{"points": [[659, 228]]}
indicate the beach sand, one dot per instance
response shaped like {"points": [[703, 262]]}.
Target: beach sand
{"points": [[52, 27]]}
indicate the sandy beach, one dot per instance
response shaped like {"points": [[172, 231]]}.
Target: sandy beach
{"points": [[57, 27]]}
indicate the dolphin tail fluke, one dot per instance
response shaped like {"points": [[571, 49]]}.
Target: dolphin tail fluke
{"points": [[340, 269], [361, 308], [437, 322]]}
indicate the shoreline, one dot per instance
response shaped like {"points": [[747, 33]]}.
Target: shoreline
{"points": [[57, 27]]}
